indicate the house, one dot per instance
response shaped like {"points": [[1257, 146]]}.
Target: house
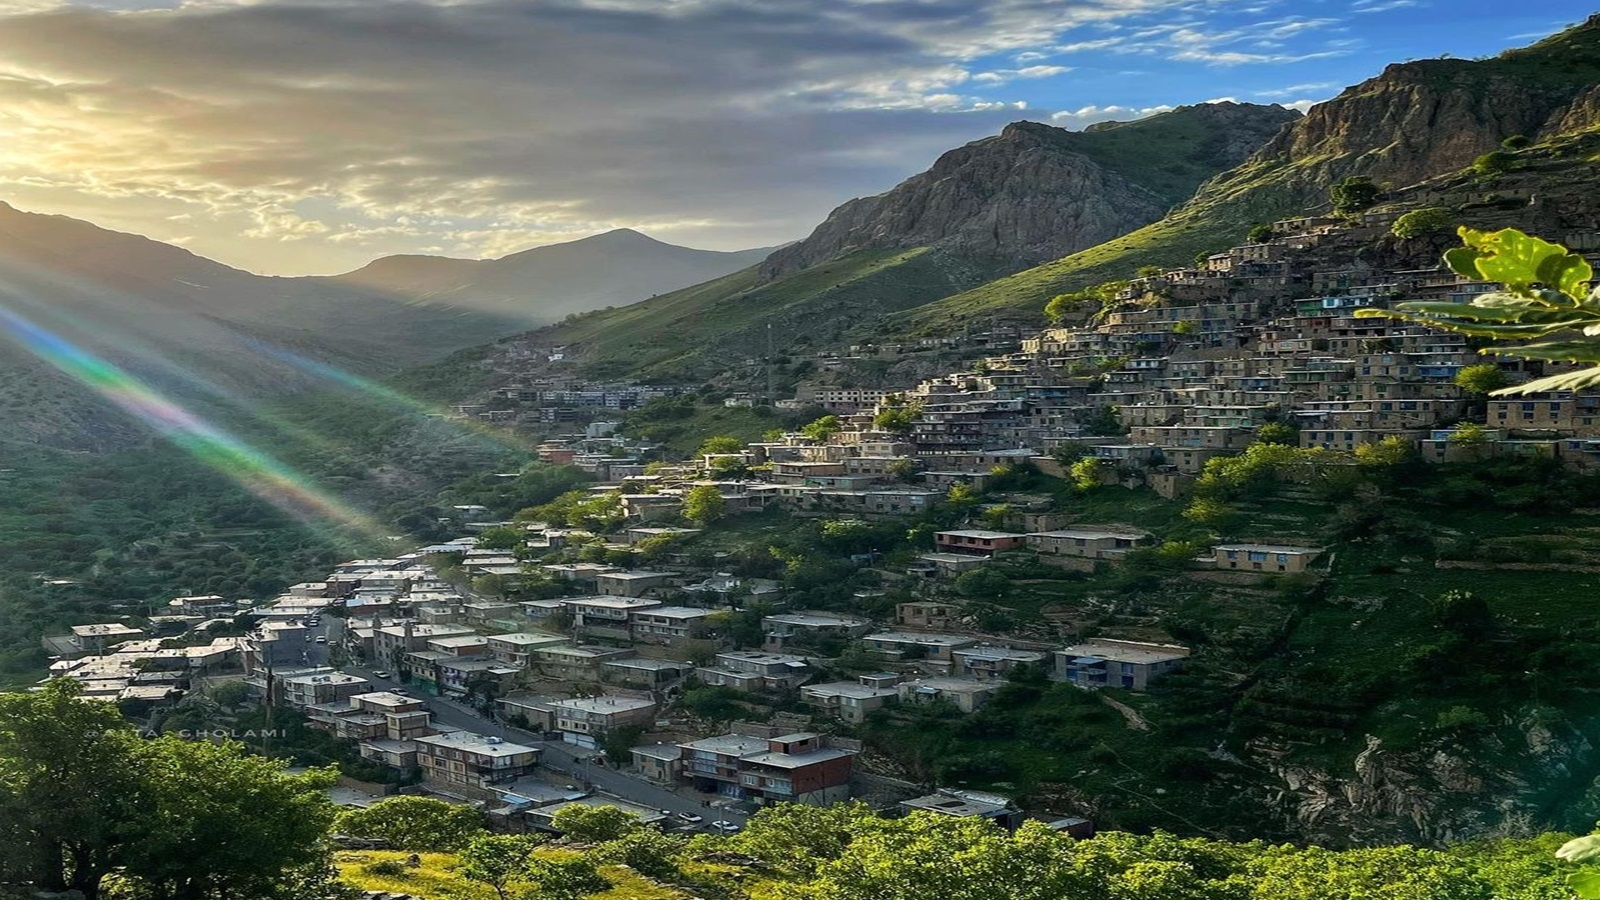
{"points": [[632, 584], [534, 713], [926, 614], [966, 694], [751, 670], [1264, 557], [1106, 662], [460, 676], [1080, 547], [97, 638], [580, 663], [391, 643], [986, 662], [606, 616], [302, 691], [908, 645], [976, 541], [660, 763], [516, 648], [807, 627], [584, 719], [850, 701], [967, 805], [473, 764], [945, 565], [796, 768], [642, 672], [667, 624]]}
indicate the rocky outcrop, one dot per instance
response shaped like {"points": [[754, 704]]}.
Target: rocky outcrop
{"points": [[1035, 192]]}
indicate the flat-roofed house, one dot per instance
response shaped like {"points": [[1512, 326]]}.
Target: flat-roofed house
{"points": [[1080, 548], [905, 645], [580, 663], [966, 694], [985, 662], [516, 648], [1106, 662], [752, 670], [667, 624], [582, 720], [976, 541], [472, 764], [850, 701], [632, 583], [606, 616], [1273, 558]]}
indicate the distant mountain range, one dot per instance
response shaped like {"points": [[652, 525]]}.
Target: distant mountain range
{"points": [[186, 323]]}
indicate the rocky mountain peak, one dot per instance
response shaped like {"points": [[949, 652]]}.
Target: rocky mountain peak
{"points": [[1036, 192]]}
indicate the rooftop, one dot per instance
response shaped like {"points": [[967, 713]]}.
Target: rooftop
{"points": [[1125, 651], [604, 704], [475, 743]]}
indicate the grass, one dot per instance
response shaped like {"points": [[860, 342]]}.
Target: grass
{"points": [[437, 878]]}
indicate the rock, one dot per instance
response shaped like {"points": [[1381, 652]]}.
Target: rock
{"points": [[1035, 192]]}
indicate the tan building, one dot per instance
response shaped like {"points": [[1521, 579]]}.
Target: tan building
{"points": [[1106, 662], [472, 764], [1265, 557], [582, 720]]}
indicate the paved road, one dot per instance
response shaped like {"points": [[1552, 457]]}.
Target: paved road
{"points": [[570, 761]]}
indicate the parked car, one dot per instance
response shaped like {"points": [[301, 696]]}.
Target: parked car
{"points": [[724, 826], [321, 639], [380, 674], [690, 817]]}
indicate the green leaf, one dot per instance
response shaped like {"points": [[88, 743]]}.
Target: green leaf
{"points": [[1566, 381], [1464, 261], [1519, 261], [1585, 884], [1562, 351], [1580, 850]]}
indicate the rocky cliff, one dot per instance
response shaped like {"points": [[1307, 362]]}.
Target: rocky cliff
{"points": [[1035, 192]]}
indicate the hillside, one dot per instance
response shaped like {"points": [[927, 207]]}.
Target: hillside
{"points": [[983, 210], [209, 334], [1415, 121]]}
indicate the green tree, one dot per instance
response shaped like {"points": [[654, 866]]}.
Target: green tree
{"points": [[498, 861], [501, 538], [1495, 162], [721, 443], [1259, 234], [647, 851], [1186, 327], [1390, 452], [70, 793], [1278, 433], [594, 824], [703, 505], [413, 823], [896, 416], [1422, 222], [1353, 194], [823, 428], [995, 517], [1517, 142], [566, 878], [1469, 434], [1086, 473], [618, 743], [962, 497], [1483, 379], [224, 822], [982, 584]]}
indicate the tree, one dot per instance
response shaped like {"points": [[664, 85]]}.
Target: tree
{"points": [[70, 794], [231, 694], [1517, 142], [703, 505], [1495, 162], [1422, 222], [594, 824], [566, 878], [1482, 380], [619, 742], [1278, 433], [961, 497], [982, 584], [1086, 473], [721, 443], [1260, 234], [497, 860], [1353, 194], [647, 851], [413, 823], [822, 429], [897, 416], [501, 538], [1469, 434], [224, 822], [1387, 453]]}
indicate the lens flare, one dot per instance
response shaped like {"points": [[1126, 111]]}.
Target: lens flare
{"points": [[501, 436], [267, 478]]}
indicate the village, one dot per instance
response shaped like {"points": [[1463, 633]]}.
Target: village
{"points": [[440, 674]]}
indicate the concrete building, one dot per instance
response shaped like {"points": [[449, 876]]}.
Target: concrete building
{"points": [[850, 701], [1105, 662], [976, 541], [750, 670], [472, 764], [582, 720], [1270, 558]]}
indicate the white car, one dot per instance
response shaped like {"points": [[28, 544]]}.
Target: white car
{"points": [[690, 817], [380, 674], [724, 826]]}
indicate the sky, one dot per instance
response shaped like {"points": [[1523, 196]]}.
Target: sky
{"points": [[311, 136]]}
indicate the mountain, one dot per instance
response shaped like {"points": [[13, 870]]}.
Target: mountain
{"points": [[205, 332], [1414, 121], [1035, 192], [607, 269], [982, 211]]}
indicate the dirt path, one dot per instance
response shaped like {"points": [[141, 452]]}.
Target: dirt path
{"points": [[1135, 721]]}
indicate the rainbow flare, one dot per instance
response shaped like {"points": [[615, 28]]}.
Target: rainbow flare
{"points": [[264, 476]]}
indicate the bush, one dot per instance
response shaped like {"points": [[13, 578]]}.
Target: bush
{"points": [[1494, 162], [385, 868], [1422, 222]]}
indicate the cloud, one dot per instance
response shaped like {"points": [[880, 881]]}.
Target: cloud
{"points": [[323, 131], [1378, 6], [1088, 115]]}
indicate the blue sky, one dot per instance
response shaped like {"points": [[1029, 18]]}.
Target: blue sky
{"points": [[300, 136]]}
